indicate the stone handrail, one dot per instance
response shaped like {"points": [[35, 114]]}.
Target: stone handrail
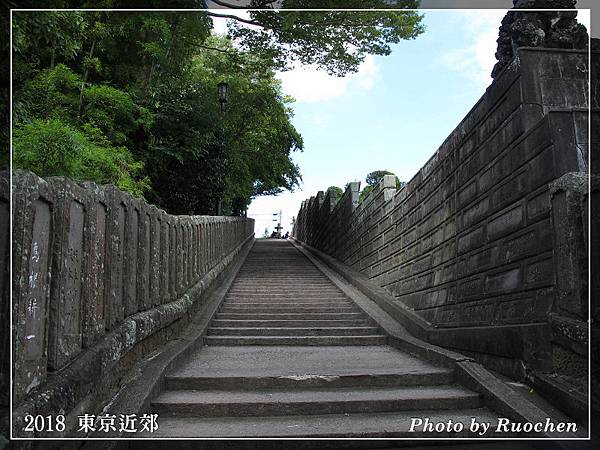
{"points": [[96, 271]]}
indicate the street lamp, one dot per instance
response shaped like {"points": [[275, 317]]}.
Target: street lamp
{"points": [[223, 89]]}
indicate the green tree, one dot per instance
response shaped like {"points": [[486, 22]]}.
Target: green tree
{"points": [[48, 109], [230, 157], [335, 192], [373, 179], [335, 41], [43, 40], [139, 89]]}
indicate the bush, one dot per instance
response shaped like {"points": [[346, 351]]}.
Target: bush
{"points": [[54, 148], [53, 93], [114, 112]]}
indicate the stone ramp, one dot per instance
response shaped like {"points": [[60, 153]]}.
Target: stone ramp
{"points": [[290, 355]]}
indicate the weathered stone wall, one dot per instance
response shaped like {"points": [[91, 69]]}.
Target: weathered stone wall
{"points": [[96, 272], [486, 243]]}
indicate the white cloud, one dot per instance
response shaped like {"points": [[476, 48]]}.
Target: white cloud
{"points": [[476, 59], [367, 74], [310, 85], [307, 83], [220, 23]]}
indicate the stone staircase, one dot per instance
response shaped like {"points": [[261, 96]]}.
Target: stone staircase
{"points": [[281, 298], [289, 355]]}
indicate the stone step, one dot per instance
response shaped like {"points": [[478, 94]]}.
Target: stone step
{"points": [[258, 283], [262, 275], [291, 323], [355, 425], [291, 308], [296, 340], [259, 278], [275, 288], [297, 268], [293, 331], [287, 289], [291, 301], [271, 294], [273, 402], [288, 316], [257, 313], [425, 378], [288, 297], [273, 361], [282, 301]]}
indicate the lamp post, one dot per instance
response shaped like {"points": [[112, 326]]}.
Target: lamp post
{"points": [[223, 90]]}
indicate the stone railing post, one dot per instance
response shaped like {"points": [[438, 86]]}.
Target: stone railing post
{"points": [[569, 200]]}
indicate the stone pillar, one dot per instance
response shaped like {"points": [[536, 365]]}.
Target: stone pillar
{"points": [[185, 250], [95, 294], [132, 225], [115, 266], [155, 257], [165, 252], [143, 259], [190, 254], [569, 201], [202, 243], [568, 197], [32, 252], [354, 192], [68, 269], [173, 257], [195, 249]]}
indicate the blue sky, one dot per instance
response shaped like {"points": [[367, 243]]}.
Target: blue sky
{"points": [[393, 114]]}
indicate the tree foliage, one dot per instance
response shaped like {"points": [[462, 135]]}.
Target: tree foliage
{"points": [[130, 97], [373, 179], [54, 148], [335, 192], [335, 41]]}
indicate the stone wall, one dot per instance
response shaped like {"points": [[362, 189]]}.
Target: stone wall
{"points": [[96, 272], [486, 243]]}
